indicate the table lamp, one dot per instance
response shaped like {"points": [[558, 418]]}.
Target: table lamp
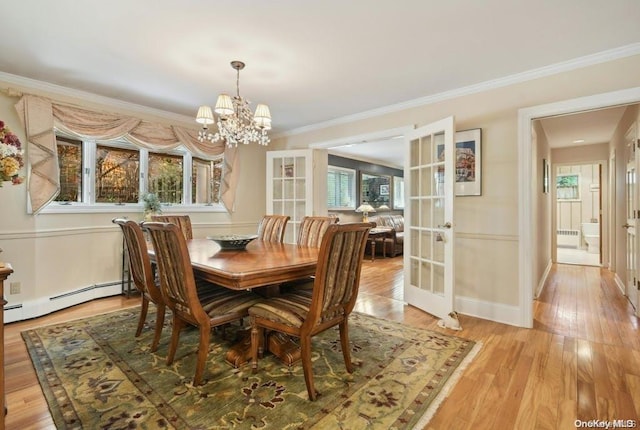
{"points": [[384, 208], [365, 208]]}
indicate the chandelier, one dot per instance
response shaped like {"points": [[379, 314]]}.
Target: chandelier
{"points": [[236, 123]]}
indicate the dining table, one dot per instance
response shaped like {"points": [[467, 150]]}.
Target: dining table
{"points": [[261, 266]]}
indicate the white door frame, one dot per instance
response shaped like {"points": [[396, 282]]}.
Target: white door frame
{"points": [[526, 186]]}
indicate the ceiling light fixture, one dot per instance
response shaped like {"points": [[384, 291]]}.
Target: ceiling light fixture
{"points": [[236, 123], [578, 141]]}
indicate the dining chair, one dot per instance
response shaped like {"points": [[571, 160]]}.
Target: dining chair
{"points": [[310, 233], [312, 229], [143, 276], [182, 221], [205, 305], [304, 313], [272, 227]]}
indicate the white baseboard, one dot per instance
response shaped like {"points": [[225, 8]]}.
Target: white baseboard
{"points": [[498, 312], [47, 305], [620, 284], [543, 280]]}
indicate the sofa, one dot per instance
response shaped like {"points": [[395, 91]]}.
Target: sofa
{"points": [[394, 242]]}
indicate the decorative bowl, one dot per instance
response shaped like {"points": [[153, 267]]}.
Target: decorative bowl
{"points": [[232, 241]]}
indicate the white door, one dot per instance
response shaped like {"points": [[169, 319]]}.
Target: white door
{"points": [[429, 224], [632, 215], [296, 186]]}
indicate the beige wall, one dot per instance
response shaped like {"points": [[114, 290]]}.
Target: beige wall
{"points": [[487, 265]]}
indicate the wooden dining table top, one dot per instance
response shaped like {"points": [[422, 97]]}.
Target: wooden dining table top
{"points": [[259, 264]]}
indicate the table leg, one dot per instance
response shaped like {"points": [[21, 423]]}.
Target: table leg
{"points": [[280, 345], [373, 249]]}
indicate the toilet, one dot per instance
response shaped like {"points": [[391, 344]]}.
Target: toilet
{"points": [[591, 234]]}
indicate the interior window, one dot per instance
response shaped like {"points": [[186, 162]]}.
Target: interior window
{"points": [[70, 163], [341, 188], [398, 192], [568, 187], [94, 174], [117, 173], [206, 179], [165, 177]]}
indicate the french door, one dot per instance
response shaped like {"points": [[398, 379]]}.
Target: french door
{"points": [[296, 186], [633, 213], [429, 245]]}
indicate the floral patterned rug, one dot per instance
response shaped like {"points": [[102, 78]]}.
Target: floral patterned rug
{"points": [[95, 374]]}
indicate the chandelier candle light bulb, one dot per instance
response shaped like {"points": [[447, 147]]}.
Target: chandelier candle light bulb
{"points": [[235, 121]]}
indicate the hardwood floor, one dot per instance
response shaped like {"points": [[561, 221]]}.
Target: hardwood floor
{"points": [[580, 361]]}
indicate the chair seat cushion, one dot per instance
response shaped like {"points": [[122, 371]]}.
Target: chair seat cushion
{"points": [[288, 309], [217, 301]]}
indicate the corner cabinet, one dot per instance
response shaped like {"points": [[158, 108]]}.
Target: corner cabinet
{"points": [[296, 186]]}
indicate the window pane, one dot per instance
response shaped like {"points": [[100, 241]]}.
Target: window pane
{"points": [[165, 177], [206, 180], [70, 163], [398, 192], [568, 187], [117, 173], [341, 188]]}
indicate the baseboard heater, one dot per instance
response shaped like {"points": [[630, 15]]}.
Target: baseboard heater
{"points": [[84, 290], [568, 238]]}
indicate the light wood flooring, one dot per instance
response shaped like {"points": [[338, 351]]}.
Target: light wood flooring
{"points": [[580, 361]]}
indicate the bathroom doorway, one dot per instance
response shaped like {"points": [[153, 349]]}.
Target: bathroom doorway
{"points": [[578, 213]]}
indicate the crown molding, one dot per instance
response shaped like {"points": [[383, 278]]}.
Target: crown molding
{"points": [[32, 84], [565, 66]]}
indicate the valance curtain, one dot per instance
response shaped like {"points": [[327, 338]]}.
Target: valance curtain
{"points": [[41, 116]]}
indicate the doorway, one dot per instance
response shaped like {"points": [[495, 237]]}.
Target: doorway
{"points": [[528, 189], [578, 204]]}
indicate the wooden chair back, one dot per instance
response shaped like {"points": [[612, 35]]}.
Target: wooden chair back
{"points": [[312, 229], [182, 221], [337, 275], [272, 228], [139, 262], [177, 281]]}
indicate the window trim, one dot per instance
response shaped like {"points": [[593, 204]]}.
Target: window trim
{"points": [[89, 147]]}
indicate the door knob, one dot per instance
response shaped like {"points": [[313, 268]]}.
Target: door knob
{"points": [[445, 225], [627, 225]]}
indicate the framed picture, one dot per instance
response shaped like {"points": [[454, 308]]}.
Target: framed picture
{"points": [[384, 190], [469, 162], [288, 170]]}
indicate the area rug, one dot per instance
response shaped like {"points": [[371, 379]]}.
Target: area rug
{"points": [[95, 374]]}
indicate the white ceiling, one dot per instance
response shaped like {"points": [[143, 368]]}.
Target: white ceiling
{"points": [[312, 62], [584, 128]]}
